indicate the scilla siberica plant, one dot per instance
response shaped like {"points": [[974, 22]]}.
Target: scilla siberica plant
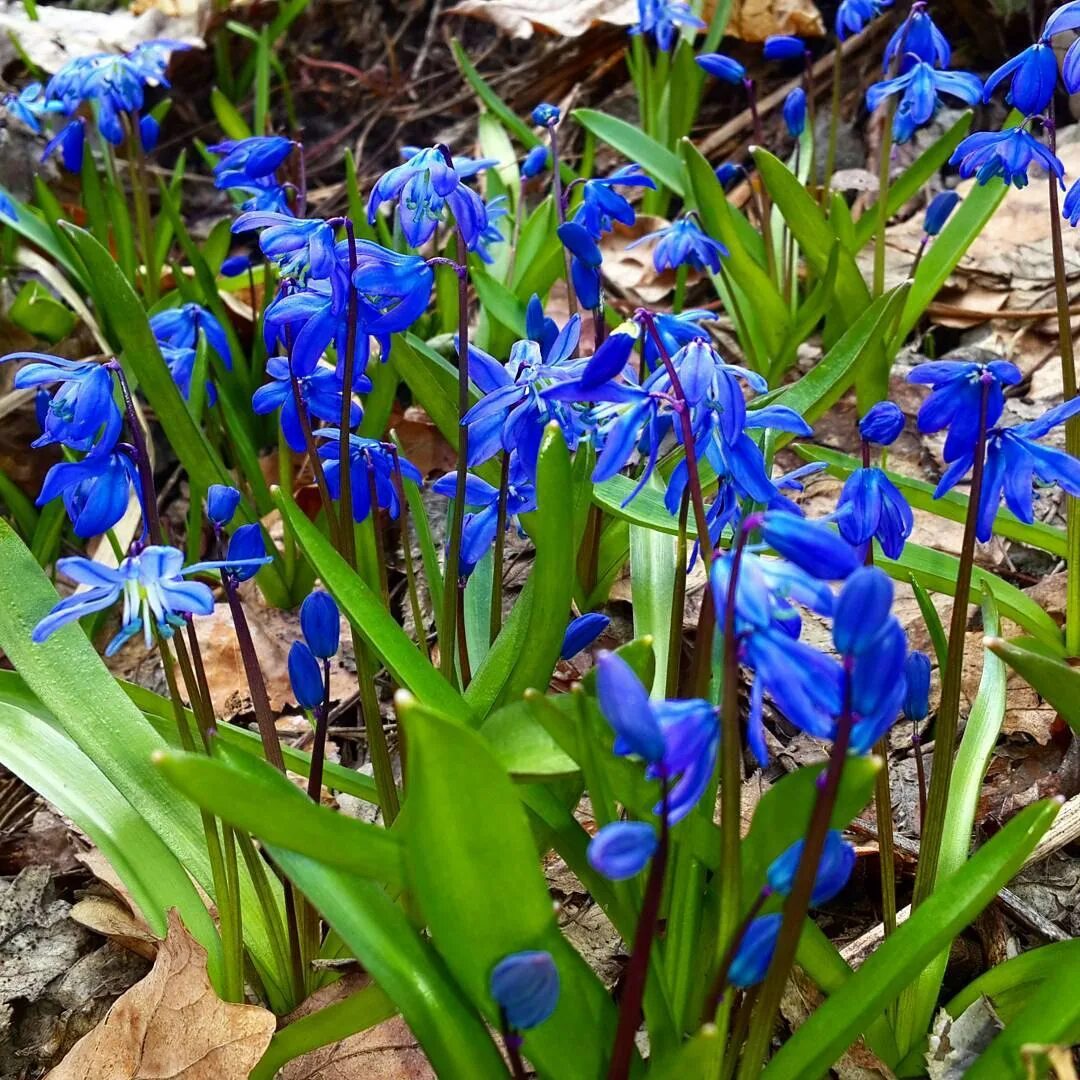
{"points": [[504, 715]]}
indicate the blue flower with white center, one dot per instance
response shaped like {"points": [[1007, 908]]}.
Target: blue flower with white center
{"points": [[602, 205], [28, 106], [795, 112], [622, 849], [833, 870], [684, 243], [882, 424], [872, 507], [395, 289], [245, 161], [465, 167], [662, 19], [70, 140], [82, 413], [181, 327], [781, 47], [320, 396], [1014, 460], [1034, 77], [151, 584], [919, 89], [852, 16], [582, 632], [535, 162], [920, 41], [513, 412], [423, 188], [755, 952], [546, 115], [1008, 154], [481, 523], [722, 67], [525, 986], [917, 686], [955, 402], [95, 490], [371, 465], [939, 211], [298, 247]]}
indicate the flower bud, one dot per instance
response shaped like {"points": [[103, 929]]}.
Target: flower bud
{"points": [[246, 544], [833, 870], [622, 849], [545, 115], [937, 213], [582, 632], [917, 696], [784, 47], [882, 424], [722, 67], [321, 624], [305, 676], [810, 545], [221, 503], [536, 161], [755, 951], [795, 112], [525, 986]]}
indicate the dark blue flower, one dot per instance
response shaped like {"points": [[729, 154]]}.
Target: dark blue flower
{"points": [[95, 490], [235, 265], [833, 870], [320, 394], [810, 545], [691, 734], [306, 320], [1034, 77], [722, 67], [938, 212], [545, 115], [661, 19], [684, 243], [919, 40], [852, 16], [1008, 154], [394, 287], [728, 173], [371, 464], [182, 326], [8, 211], [955, 402], [29, 105], [320, 622], [795, 112], [1071, 207], [221, 503], [602, 205], [246, 554], [70, 141], [535, 162], [423, 188], [298, 247], [622, 849], [917, 686], [882, 424], [181, 365], [784, 47], [525, 986], [305, 676], [82, 413], [755, 952], [626, 706], [582, 632], [872, 507], [863, 606], [918, 89], [244, 161], [675, 331], [585, 259]]}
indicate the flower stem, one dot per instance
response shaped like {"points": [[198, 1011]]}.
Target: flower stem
{"points": [[638, 969], [141, 199], [764, 203], [560, 210], [1072, 426], [512, 1042], [678, 604], [346, 536], [142, 458], [798, 901], [882, 204], [406, 550], [448, 621], [948, 715], [500, 551], [720, 982], [318, 750]]}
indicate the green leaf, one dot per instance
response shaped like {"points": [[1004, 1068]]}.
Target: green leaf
{"points": [[30, 227], [635, 145], [652, 585], [254, 796], [932, 619], [498, 301], [365, 612], [1050, 677], [403, 964], [39, 313], [482, 893], [228, 117], [19, 505], [937, 572], [523, 746], [697, 1057], [952, 506], [829, 1031], [539, 259], [646, 510]]}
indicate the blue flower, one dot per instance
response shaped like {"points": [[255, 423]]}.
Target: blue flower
{"points": [[610, 360], [919, 88], [423, 187], [545, 115], [395, 289], [245, 556], [795, 112], [181, 327], [244, 161], [525, 986], [492, 234], [70, 141], [1034, 77], [810, 545], [585, 259], [917, 686], [153, 588], [956, 399], [298, 247], [181, 365], [481, 525], [320, 622], [320, 394], [684, 243], [872, 507], [784, 47], [1013, 460], [582, 632], [371, 464], [306, 320], [939, 211], [833, 870], [728, 173], [535, 162], [1008, 154], [661, 19], [622, 849], [305, 677], [235, 265], [675, 331], [8, 211], [95, 490], [1071, 207], [602, 205], [82, 413], [1065, 18], [755, 952], [722, 67], [852, 16], [149, 133], [921, 42], [221, 503], [626, 706], [882, 424], [465, 167], [28, 106]]}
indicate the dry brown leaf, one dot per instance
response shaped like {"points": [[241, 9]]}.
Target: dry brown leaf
{"points": [[113, 920], [755, 20], [388, 1051], [171, 1025]]}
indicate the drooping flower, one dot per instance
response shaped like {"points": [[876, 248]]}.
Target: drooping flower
{"points": [[181, 365], [181, 327], [1008, 154], [810, 545], [395, 289], [243, 162], [298, 247], [622, 849], [95, 490], [525, 986], [320, 395], [872, 507], [661, 20], [1034, 77], [852, 16], [795, 112], [833, 870], [221, 503], [917, 686], [917, 40], [1066, 18], [70, 141], [582, 632], [683, 243], [601, 204], [938, 212], [882, 424], [755, 952], [371, 465], [305, 676], [722, 67], [497, 210], [535, 162], [1070, 208], [919, 89], [320, 622], [784, 47], [585, 260]]}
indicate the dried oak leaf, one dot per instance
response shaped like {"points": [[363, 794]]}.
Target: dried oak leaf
{"points": [[171, 1025]]}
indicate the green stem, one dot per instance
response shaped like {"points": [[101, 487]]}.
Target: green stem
{"points": [[680, 289], [406, 551], [834, 123], [141, 198], [678, 604], [882, 204], [500, 551]]}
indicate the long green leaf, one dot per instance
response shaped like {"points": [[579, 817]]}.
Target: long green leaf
{"points": [[634, 144], [1050, 677], [652, 585]]}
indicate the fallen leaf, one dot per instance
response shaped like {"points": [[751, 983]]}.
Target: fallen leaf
{"points": [[387, 1051], [956, 1044], [755, 20], [171, 1025], [113, 920]]}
